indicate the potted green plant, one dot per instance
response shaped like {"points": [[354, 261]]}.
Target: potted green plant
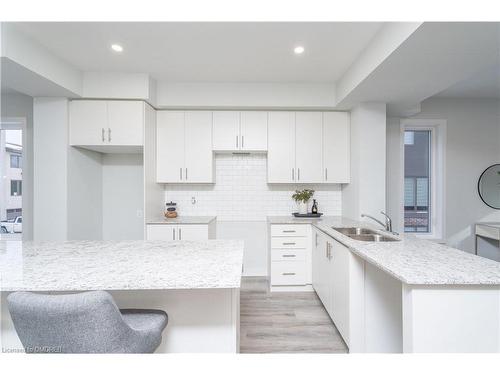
{"points": [[302, 198]]}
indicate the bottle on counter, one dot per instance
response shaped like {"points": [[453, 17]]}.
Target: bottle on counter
{"points": [[314, 208]]}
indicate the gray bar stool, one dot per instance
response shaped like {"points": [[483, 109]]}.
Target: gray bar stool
{"points": [[88, 322]]}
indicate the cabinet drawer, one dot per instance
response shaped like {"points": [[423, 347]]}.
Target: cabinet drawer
{"points": [[279, 230], [289, 242], [288, 273], [292, 255]]}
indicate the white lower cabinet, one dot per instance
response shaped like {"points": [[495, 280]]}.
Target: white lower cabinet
{"points": [[171, 232], [331, 279], [290, 255]]}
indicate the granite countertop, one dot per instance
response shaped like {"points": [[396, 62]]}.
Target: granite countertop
{"points": [[120, 265], [182, 220], [411, 260]]}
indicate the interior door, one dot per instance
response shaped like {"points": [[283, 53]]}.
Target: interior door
{"points": [[309, 147], [226, 127], [281, 147], [336, 147], [170, 148], [125, 123], [87, 122], [254, 131], [198, 150]]}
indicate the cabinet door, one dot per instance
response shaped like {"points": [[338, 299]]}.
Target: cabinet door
{"points": [[323, 271], [192, 232], [336, 147], [125, 123], [170, 147], [87, 122], [309, 147], [340, 288], [160, 232], [281, 148], [198, 151], [226, 127], [254, 131]]}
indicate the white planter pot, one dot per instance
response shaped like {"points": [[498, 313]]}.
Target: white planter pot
{"points": [[302, 208]]}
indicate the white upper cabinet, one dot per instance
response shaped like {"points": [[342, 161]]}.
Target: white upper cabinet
{"points": [[184, 147], [169, 146], [281, 147], [240, 131], [198, 147], [125, 122], [226, 128], [336, 147], [101, 123], [253, 131], [309, 147]]}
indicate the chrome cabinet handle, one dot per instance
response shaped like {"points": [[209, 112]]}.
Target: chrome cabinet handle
{"points": [[298, 174], [180, 173], [288, 243], [288, 231], [289, 255], [293, 174], [102, 134], [186, 175], [316, 241], [288, 273], [180, 233], [173, 233], [242, 141], [326, 174], [109, 135], [236, 141]]}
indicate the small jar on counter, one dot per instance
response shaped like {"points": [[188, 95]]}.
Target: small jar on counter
{"points": [[171, 211]]}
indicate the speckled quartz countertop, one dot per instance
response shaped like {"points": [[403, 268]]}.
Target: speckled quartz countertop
{"points": [[182, 220], [120, 265], [411, 260]]}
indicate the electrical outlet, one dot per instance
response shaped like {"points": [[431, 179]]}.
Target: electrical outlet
{"points": [[139, 214], [193, 200]]}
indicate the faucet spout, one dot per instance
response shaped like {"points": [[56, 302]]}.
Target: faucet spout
{"points": [[388, 221]]}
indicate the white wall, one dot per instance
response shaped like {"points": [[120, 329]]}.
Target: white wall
{"points": [[84, 189], [112, 85], [472, 144], [19, 105], [366, 192], [123, 197], [245, 95], [50, 144], [241, 199]]}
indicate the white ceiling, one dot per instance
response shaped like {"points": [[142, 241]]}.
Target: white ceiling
{"points": [[210, 52], [485, 84]]}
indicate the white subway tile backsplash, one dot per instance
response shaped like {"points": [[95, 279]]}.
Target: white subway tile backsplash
{"points": [[241, 193]]}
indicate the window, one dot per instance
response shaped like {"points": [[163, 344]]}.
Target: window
{"points": [[12, 213], [417, 175], [16, 161], [423, 143], [16, 187]]}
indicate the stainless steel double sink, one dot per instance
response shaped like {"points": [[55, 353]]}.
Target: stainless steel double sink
{"points": [[364, 234]]}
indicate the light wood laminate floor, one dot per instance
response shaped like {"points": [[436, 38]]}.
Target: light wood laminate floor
{"points": [[284, 322]]}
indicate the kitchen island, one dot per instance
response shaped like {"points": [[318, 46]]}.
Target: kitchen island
{"points": [[407, 295], [196, 282]]}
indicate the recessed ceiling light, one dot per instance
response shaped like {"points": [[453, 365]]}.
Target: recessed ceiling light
{"points": [[116, 48], [298, 50]]}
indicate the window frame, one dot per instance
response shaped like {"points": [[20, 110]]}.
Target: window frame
{"points": [[437, 127], [19, 184], [19, 160]]}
